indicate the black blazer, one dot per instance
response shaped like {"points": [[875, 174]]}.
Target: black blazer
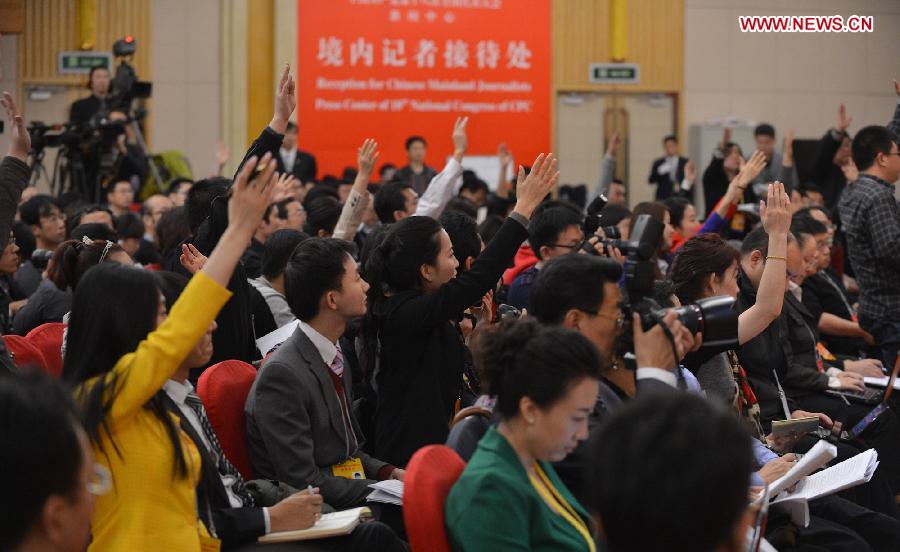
{"points": [[235, 526], [664, 185], [422, 356], [305, 168]]}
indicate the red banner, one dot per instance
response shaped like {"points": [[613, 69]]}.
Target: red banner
{"points": [[388, 69]]}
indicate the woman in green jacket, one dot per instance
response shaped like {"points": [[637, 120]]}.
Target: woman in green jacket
{"points": [[509, 497]]}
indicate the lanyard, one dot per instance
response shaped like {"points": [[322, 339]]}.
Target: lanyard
{"points": [[840, 294], [784, 405], [552, 497]]}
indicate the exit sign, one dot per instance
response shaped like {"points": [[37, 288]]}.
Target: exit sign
{"points": [[73, 63], [615, 73]]}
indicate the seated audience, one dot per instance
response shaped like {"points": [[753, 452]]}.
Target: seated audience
{"points": [[545, 381], [119, 197], [130, 232], [12, 298], [178, 191]]}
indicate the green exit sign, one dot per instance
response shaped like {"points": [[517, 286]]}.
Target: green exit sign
{"points": [[73, 63], [615, 73]]}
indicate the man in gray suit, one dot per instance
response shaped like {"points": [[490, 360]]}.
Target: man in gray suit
{"points": [[300, 428]]}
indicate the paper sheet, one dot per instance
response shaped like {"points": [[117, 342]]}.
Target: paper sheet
{"points": [[822, 453], [269, 341]]}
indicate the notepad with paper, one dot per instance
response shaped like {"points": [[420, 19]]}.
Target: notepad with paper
{"points": [[389, 491], [329, 525], [797, 487]]}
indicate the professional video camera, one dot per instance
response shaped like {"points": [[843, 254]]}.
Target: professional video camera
{"points": [[714, 316], [594, 221], [125, 85]]}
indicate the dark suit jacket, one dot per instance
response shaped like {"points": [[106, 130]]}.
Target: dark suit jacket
{"points": [[664, 185], [235, 526], [304, 169], [295, 429]]}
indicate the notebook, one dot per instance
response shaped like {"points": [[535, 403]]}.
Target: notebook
{"points": [[329, 525]]}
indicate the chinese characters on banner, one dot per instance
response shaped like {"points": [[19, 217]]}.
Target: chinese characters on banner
{"points": [[388, 69]]}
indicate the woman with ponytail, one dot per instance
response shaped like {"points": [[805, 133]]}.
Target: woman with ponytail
{"points": [[545, 379], [412, 350]]}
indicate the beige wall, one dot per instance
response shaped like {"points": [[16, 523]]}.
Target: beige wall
{"points": [[793, 80], [8, 76], [186, 80]]}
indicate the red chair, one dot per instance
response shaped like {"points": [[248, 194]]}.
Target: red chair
{"points": [[431, 473], [48, 338], [24, 353], [223, 388]]}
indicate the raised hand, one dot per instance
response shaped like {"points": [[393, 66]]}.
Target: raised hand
{"points": [[897, 88], [252, 193], [787, 158], [285, 186], [843, 120], [531, 190], [851, 173], [504, 154], [613, 148], [775, 212], [460, 140], [726, 138], [222, 154], [285, 101], [191, 259], [366, 156], [20, 144], [751, 169], [690, 171]]}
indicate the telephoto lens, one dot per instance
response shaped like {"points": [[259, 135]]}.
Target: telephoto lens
{"points": [[716, 317]]}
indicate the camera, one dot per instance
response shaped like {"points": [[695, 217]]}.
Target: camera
{"points": [[40, 258], [508, 312], [714, 316]]}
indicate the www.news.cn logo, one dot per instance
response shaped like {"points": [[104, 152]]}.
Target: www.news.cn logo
{"points": [[806, 24]]}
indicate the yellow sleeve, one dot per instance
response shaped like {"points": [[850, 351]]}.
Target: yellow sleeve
{"points": [[143, 372]]}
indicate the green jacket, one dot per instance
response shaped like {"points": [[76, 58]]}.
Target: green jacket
{"points": [[493, 506]]}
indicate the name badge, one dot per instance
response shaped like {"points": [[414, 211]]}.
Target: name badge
{"points": [[349, 469]]}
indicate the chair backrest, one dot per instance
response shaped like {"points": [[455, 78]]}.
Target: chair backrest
{"points": [[466, 433], [48, 338], [430, 474], [223, 388], [24, 353]]}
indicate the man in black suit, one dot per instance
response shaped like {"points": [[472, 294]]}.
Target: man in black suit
{"points": [[293, 160], [84, 109], [673, 174]]}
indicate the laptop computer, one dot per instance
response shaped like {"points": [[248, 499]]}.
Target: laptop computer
{"points": [[873, 414]]}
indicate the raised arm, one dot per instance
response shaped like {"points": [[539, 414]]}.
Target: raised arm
{"points": [[828, 146], [505, 159], [445, 184], [607, 167], [358, 200], [272, 136], [13, 169], [894, 124], [775, 214], [449, 302], [787, 162]]}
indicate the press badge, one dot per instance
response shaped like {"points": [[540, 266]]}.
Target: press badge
{"points": [[349, 469]]}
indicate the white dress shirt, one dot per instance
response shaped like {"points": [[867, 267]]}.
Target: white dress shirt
{"points": [[288, 157]]}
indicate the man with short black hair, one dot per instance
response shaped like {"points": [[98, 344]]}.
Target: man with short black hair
{"points": [[119, 197], [663, 483], [555, 230], [279, 248], [48, 224], [871, 220], [778, 167], [292, 160], [672, 174], [417, 174], [463, 232], [300, 427]]}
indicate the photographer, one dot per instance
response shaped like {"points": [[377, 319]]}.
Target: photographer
{"points": [[83, 110], [582, 292]]}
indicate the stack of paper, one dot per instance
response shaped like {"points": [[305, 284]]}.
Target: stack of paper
{"points": [[271, 340], [849, 473], [822, 453], [882, 382], [389, 491]]}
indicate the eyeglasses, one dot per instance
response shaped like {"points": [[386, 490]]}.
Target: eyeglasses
{"points": [[619, 319], [573, 247], [101, 480]]}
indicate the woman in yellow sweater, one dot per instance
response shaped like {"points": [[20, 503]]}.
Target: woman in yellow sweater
{"points": [[122, 349]]}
